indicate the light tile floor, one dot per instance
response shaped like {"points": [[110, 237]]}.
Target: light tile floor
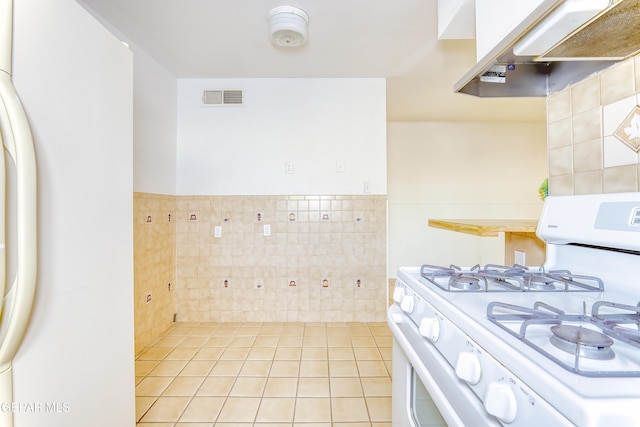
{"points": [[266, 375]]}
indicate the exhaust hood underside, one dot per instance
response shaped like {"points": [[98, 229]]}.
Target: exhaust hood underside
{"points": [[612, 36]]}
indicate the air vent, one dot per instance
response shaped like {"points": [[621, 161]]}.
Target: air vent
{"points": [[222, 97]]}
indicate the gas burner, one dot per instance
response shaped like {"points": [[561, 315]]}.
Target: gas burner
{"points": [[432, 271], [539, 282], [581, 343], [453, 278], [585, 342], [504, 270], [465, 282]]}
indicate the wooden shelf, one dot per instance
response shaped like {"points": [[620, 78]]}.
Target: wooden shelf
{"points": [[520, 235], [486, 227]]}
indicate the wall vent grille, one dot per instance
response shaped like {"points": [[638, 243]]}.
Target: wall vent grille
{"points": [[222, 97]]}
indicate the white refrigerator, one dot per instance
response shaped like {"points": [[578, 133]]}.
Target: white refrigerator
{"points": [[75, 364]]}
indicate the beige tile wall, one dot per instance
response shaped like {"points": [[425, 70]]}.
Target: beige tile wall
{"points": [[584, 156], [338, 238], [154, 266]]}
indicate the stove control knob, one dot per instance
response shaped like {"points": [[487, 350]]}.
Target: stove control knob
{"points": [[468, 367], [430, 328], [396, 317], [408, 302], [398, 294], [501, 402]]}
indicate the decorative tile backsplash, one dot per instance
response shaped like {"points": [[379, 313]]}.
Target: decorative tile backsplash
{"points": [[281, 258], [585, 124], [154, 268], [629, 130]]}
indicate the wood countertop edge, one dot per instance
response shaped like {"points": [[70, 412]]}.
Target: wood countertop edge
{"points": [[486, 227]]}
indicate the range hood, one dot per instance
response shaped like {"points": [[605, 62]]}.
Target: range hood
{"points": [[577, 49]]}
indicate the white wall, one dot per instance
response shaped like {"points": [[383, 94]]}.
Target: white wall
{"points": [[75, 80], [155, 125], [311, 122], [155, 112], [459, 170]]}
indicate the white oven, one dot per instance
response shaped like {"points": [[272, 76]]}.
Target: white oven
{"points": [[551, 345], [426, 391]]}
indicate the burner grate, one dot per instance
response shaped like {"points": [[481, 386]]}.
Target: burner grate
{"points": [[616, 323], [571, 333], [516, 278]]}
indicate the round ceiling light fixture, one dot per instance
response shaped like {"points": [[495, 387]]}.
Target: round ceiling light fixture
{"points": [[288, 26]]}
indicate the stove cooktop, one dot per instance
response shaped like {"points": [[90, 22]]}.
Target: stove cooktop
{"points": [[488, 317], [516, 278]]}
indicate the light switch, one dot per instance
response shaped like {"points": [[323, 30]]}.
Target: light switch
{"points": [[267, 230], [217, 231]]}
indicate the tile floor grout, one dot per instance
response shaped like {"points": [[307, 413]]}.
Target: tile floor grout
{"points": [[345, 369]]}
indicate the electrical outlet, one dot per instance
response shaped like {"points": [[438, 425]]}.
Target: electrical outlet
{"points": [[217, 231], [267, 230], [288, 167]]}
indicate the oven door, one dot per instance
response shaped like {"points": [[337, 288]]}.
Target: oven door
{"points": [[413, 406], [426, 390]]}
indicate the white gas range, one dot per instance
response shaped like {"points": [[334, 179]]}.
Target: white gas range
{"points": [[552, 345]]}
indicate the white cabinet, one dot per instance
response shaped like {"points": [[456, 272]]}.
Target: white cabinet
{"points": [[456, 19]]}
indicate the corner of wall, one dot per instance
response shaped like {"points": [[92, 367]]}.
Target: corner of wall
{"points": [[154, 266]]}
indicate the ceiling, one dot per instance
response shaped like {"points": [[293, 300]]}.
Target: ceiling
{"points": [[396, 40]]}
